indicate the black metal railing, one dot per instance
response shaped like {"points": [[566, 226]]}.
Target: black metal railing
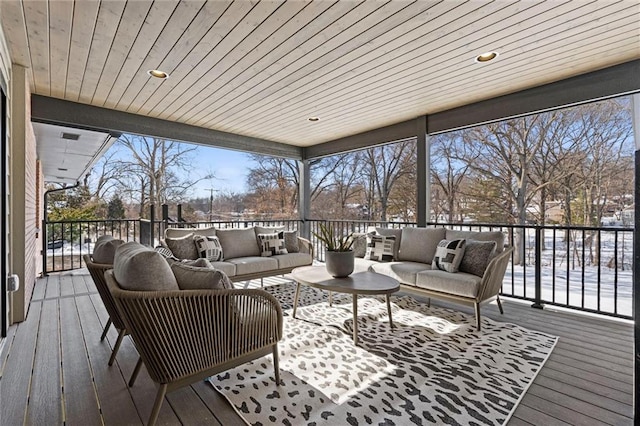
{"points": [[584, 268], [65, 242]]}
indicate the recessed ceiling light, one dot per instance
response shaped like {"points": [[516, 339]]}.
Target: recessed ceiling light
{"points": [[62, 169], [314, 119], [158, 74], [486, 57]]}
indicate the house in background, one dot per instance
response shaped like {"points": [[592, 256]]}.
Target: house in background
{"points": [[294, 79]]}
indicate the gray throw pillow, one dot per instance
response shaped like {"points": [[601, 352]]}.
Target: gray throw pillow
{"points": [[105, 250], [183, 248], [477, 256], [448, 255], [359, 244], [140, 268], [291, 242], [198, 278]]}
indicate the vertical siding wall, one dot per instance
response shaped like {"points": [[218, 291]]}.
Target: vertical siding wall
{"points": [[24, 193], [31, 193]]}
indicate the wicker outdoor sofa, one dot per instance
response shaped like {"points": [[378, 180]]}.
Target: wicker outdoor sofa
{"points": [[481, 268], [243, 257]]}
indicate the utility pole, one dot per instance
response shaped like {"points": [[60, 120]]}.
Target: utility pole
{"points": [[211, 191], [211, 205]]}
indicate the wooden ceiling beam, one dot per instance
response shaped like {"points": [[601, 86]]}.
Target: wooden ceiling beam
{"points": [[49, 110]]}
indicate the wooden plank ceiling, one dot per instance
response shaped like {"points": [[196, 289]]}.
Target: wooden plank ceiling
{"points": [[261, 69]]}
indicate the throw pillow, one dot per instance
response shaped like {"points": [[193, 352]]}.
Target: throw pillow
{"points": [[198, 278], [140, 268], [392, 232], [290, 241], [105, 250], [272, 244], [477, 255], [380, 248], [448, 255], [359, 244], [209, 248], [183, 248]]}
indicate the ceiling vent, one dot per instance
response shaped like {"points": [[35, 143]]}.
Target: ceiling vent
{"points": [[71, 136]]}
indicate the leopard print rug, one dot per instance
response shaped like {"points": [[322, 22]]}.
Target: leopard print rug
{"points": [[433, 367]]}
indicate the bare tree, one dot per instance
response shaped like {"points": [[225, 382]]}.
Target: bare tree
{"points": [[149, 170]]}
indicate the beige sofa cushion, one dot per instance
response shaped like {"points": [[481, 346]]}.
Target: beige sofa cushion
{"points": [[226, 267], [198, 278], [181, 232], [253, 265], [405, 272], [105, 250], [460, 284], [238, 243], [419, 244], [183, 247], [496, 236], [293, 260], [136, 267], [362, 265]]}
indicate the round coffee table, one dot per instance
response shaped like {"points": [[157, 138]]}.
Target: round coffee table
{"points": [[355, 284]]}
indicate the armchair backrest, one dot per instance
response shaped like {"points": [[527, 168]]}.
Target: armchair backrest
{"points": [[182, 332], [97, 270]]}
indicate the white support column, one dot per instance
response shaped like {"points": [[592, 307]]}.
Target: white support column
{"points": [[423, 173], [304, 198]]}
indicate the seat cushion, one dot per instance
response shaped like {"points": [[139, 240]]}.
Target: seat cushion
{"points": [[405, 272], [496, 236], [136, 267], [183, 247], [292, 260], [238, 242], [226, 267], [419, 244], [460, 284], [105, 250], [199, 278], [477, 255], [362, 265], [253, 264]]}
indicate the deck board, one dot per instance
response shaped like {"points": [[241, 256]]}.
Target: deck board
{"points": [[587, 379]]}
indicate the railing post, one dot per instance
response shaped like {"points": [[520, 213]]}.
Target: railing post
{"points": [[179, 212], [538, 268], [44, 248]]}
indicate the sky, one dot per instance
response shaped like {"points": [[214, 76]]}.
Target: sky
{"points": [[229, 167]]}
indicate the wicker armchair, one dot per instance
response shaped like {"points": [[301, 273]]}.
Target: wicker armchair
{"points": [[184, 336], [97, 271]]}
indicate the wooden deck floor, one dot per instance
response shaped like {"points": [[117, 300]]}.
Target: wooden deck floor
{"points": [[55, 368]]}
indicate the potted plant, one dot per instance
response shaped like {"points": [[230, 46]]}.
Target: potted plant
{"points": [[338, 254]]}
